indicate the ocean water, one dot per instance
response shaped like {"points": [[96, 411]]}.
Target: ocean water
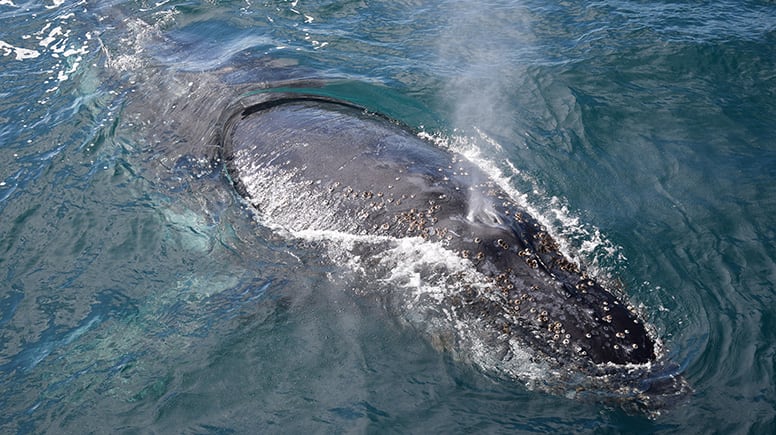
{"points": [[139, 293]]}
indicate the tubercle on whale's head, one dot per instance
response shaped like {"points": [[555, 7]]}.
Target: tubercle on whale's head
{"points": [[564, 309]]}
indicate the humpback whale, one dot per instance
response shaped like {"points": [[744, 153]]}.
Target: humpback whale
{"points": [[312, 163]]}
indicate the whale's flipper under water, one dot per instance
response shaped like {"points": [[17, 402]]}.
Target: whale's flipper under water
{"points": [[309, 163]]}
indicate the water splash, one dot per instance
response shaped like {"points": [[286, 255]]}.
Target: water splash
{"points": [[578, 240]]}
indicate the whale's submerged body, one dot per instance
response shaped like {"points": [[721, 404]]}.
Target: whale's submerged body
{"points": [[312, 164]]}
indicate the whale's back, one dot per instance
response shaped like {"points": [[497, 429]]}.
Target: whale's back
{"points": [[310, 164]]}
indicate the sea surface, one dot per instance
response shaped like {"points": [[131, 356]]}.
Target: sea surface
{"points": [[140, 294]]}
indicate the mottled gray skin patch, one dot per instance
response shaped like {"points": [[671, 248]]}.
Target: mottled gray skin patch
{"points": [[372, 176]]}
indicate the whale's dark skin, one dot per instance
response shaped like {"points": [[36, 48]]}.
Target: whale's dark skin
{"points": [[508, 301], [378, 178]]}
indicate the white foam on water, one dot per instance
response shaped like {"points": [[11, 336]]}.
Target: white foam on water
{"points": [[18, 52], [416, 277], [55, 4], [61, 48], [576, 240], [132, 44]]}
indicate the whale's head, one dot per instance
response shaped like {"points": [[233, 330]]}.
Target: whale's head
{"points": [[310, 164]]}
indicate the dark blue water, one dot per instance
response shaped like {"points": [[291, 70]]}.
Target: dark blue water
{"points": [[140, 295]]}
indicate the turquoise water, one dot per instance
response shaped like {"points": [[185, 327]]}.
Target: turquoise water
{"points": [[140, 295]]}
